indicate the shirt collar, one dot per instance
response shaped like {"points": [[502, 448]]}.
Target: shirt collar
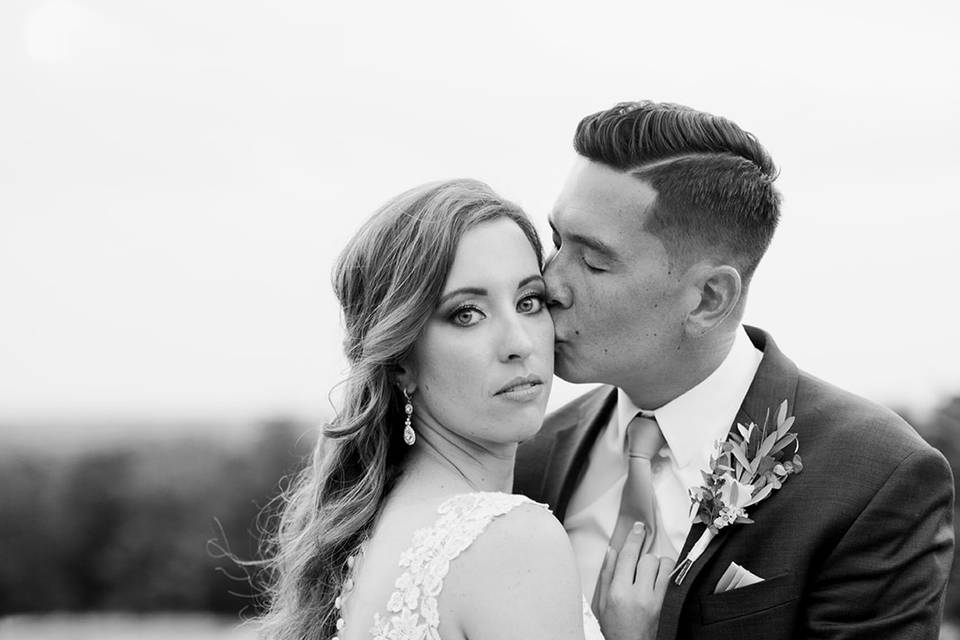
{"points": [[692, 422]]}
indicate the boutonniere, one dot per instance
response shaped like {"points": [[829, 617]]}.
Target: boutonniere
{"points": [[750, 465]]}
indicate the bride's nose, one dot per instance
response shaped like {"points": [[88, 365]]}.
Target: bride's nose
{"points": [[516, 343]]}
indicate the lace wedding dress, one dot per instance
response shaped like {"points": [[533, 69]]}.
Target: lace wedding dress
{"points": [[412, 612]]}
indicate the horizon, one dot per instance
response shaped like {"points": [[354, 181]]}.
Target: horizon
{"points": [[113, 431]]}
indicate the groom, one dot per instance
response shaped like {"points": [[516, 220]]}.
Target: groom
{"points": [[658, 230]]}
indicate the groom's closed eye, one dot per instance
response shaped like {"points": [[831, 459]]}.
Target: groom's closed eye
{"points": [[595, 256], [592, 263]]}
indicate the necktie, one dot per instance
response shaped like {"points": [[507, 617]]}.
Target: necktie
{"points": [[638, 503]]}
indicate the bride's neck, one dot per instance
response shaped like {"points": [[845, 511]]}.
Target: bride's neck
{"points": [[449, 463]]}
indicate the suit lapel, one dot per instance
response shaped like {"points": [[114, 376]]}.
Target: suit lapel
{"points": [[774, 382], [571, 449]]}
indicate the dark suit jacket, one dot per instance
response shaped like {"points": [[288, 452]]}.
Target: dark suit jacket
{"points": [[858, 545]]}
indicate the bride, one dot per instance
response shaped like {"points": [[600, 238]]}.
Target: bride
{"points": [[403, 525]]}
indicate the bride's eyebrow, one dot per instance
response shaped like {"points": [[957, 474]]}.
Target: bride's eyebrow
{"points": [[474, 291], [534, 278], [480, 291]]}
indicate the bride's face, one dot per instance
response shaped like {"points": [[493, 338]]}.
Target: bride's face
{"points": [[484, 363]]}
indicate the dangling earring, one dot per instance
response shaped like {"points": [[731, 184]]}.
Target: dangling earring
{"points": [[409, 435]]}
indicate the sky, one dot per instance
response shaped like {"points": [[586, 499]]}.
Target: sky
{"points": [[177, 178]]}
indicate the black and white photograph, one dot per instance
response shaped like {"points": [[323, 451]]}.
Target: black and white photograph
{"points": [[511, 320]]}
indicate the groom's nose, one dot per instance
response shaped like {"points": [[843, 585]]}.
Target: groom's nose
{"points": [[558, 293]]}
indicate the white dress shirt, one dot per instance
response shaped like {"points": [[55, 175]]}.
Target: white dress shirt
{"points": [[691, 424]]}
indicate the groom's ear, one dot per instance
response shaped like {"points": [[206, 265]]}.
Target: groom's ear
{"points": [[720, 289]]}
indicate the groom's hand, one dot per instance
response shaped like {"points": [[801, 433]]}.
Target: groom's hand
{"points": [[631, 590]]}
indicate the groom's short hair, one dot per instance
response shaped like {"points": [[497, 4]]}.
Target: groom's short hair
{"points": [[714, 181]]}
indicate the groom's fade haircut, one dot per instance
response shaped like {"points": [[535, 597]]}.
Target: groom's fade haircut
{"points": [[714, 181]]}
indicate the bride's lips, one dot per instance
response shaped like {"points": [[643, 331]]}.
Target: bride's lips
{"points": [[521, 388]]}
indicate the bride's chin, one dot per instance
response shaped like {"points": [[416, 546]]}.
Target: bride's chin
{"points": [[529, 429]]}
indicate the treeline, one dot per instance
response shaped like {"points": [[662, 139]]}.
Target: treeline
{"points": [[141, 528], [145, 528]]}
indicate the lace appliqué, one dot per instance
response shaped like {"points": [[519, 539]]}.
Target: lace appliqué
{"points": [[412, 607]]}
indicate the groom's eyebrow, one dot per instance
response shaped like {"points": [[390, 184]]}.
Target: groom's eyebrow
{"points": [[593, 243]]}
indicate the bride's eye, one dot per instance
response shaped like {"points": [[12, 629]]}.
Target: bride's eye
{"points": [[466, 316], [530, 304]]}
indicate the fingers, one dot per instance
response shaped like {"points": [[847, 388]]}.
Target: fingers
{"points": [[653, 573], [648, 567], [626, 565], [663, 575], [606, 575]]}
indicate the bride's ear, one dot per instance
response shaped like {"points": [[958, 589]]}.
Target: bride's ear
{"points": [[404, 377]]}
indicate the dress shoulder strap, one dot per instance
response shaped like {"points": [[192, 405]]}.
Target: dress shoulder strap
{"points": [[412, 608]]}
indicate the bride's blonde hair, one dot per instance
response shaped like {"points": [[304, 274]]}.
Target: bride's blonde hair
{"points": [[388, 280]]}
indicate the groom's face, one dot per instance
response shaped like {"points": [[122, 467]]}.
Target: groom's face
{"points": [[617, 305]]}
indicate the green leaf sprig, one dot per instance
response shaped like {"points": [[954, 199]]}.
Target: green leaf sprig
{"points": [[746, 468]]}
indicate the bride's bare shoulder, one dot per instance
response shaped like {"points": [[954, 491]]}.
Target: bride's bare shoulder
{"points": [[525, 529], [519, 578]]}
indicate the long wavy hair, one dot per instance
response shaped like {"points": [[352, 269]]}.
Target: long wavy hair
{"points": [[388, 280]]}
